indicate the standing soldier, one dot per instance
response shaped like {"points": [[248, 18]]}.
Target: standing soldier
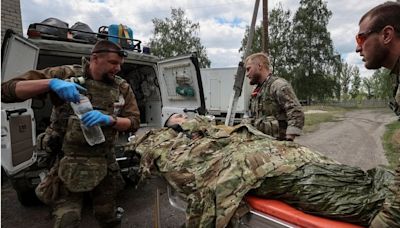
{"points": [[83, 168], [378, 42], [274, 108]]}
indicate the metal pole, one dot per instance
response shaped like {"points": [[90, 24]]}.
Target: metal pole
{"points": [[252, 28], [265, 38], [239, 77]]}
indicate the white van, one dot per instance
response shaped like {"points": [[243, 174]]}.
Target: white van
{"points": [[153, 81]]}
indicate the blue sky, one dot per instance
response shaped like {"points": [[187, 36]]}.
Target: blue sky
{"points": [[222, 22]]}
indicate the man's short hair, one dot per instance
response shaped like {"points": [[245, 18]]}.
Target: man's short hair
{"points": [[384, 14], [261, 57], [167, 121], [106, 46]]}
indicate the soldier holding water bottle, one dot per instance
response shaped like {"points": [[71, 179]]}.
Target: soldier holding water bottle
{"points": [[103, 103]]}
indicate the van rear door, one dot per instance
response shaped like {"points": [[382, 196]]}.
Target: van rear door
{"points": [[18, 136], [181, 87]]}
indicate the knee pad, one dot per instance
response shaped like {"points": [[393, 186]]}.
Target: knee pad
{"points": [[70, 219]]}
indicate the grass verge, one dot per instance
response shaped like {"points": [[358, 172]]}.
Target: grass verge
{"points": [[329, 114], [391, 143]]}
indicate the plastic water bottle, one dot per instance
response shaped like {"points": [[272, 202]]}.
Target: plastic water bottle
{"points": [[93, 135]]}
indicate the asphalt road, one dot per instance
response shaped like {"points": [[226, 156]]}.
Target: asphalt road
{"points": [[139, 205], [356, 140]]}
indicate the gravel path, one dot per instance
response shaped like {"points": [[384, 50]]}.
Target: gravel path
{"points": [[354, 140]]}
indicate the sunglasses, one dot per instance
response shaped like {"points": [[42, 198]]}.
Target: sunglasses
{"points": [[362, 36]]}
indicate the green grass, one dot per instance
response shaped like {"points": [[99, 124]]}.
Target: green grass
{"points": [[391, 143], [312, 120]]}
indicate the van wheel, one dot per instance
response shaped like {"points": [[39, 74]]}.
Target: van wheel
{"points": [[25, 192]]}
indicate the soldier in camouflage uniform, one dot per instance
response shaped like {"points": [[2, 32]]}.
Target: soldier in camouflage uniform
{"points": [[274, 108], [83, 168], [214, 166], [378, 42]]}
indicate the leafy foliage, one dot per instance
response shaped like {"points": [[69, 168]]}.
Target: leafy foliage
{"points": [[379, 85], [279, 42], [280, 46], [313, 51], [301, 50], [355, 83], [177, 36]]}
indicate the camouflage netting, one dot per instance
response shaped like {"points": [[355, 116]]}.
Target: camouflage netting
{"points": [[215, 172], [331, 190]]}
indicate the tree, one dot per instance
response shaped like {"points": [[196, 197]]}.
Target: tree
{"points": [[346, 77], [176, 36], [338, 67], [379, 85], [256, 45], [368, 85], [314, 74], [280, 47], [279, 42], [355, 82]]}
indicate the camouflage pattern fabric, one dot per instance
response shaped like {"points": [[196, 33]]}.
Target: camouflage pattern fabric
{"points": [[59, 116], [82, 174], [48, 189], [276, 100], [214, 172], [67, 208], [83, 168], [389, 216]]}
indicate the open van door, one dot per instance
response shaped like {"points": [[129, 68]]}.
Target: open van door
{"points": [[181, 87], [18, 136]]}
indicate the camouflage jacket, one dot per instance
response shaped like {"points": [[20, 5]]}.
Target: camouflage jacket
{"points": [[276, 98], [82, 166], [395, 104], [215, 171], [129, 110]]}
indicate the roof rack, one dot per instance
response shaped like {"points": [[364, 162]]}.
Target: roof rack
{"points": [[38, 30]]}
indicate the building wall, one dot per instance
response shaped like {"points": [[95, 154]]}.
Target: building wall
{"points": [[10, 17]]}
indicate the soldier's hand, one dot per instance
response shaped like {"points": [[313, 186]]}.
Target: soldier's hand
{"points": [[68, 91], [95, 117]]}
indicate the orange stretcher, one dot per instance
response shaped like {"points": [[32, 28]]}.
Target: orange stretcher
{"points": [[271, 214], [274, 213]]}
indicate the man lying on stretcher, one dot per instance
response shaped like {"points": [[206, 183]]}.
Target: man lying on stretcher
{"points": [[214, 166]]}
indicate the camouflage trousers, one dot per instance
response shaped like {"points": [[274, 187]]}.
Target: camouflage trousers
{"points": [[334, 191], [67, 209], [389, 215]]}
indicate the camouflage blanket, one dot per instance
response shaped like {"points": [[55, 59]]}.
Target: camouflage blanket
{"points": [[214, 172]]}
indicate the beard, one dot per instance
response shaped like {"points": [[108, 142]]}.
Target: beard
{"points": [[107, 79], [255, 80], [377, 60]]}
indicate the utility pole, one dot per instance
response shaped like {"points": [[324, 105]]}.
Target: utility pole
{"points": [[265, 40], [239, 77]]}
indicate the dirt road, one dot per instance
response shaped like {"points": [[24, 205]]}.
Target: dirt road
{"points": [[355, 140]]}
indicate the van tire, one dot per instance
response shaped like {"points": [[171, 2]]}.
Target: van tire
{"points": [[25, 192]]}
